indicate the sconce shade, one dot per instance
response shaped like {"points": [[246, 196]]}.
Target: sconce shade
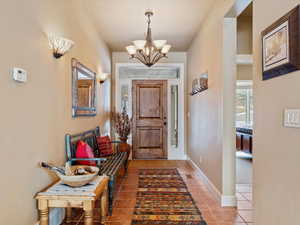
{"points": [[60, 46], [102, 77]]}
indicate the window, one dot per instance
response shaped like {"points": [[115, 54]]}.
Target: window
{"points": [[174, 115], [244, 104], [124, 97]]}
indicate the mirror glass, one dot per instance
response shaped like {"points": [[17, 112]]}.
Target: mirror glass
{"points": [[83, 90]]}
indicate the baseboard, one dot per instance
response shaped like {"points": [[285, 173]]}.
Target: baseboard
{"points": [[229, 201], [210, 186], [224, 200], [177, 157], [56, 216]]}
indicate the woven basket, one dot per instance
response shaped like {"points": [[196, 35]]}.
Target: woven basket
{"points": [[79, 180]]}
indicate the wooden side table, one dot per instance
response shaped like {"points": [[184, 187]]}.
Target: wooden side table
{"points": [[85, 199]]}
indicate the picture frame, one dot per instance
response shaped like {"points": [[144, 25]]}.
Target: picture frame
{"points": [[280, 46]]}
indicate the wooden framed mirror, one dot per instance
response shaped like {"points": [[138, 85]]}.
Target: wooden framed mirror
{"points": [[83, 90]]}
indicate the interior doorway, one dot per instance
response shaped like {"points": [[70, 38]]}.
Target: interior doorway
{"points": [[150, 118], [238, 109]]}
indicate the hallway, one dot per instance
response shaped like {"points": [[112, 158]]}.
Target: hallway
{"points": [[208, 205]]}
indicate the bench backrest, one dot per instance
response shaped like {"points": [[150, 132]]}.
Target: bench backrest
{"points": [[88, 136]]}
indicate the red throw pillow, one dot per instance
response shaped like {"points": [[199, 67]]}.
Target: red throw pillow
{"points": [[84, 151], [104, 146]]}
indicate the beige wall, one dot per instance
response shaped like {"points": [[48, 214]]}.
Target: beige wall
{"points": [[244, 35], [205, 122], [276, 148], [276, 156], [244, 72], [36, 115]]}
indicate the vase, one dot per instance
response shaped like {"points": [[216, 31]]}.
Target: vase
{"points": [[123, 139], [124, 147]]}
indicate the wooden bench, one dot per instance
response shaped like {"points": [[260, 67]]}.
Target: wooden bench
{"points": [[114, 166]]}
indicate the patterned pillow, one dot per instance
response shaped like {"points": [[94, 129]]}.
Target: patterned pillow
{"points": [[84, 151], [104, 146]]}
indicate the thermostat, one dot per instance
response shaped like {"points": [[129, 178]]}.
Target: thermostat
{"points": [[19, 75]]}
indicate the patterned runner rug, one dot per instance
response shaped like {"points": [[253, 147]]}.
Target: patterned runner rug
{"points": [[163, 199]]}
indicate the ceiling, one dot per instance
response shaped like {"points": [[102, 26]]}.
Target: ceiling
{"points": [[122, 21]]}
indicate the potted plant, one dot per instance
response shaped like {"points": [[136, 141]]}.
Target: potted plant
{"points": [[122, 124]]}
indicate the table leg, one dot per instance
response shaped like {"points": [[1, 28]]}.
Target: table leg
{"points": [[69, 215], [44, 212], [88, 217], [44, 217], [104, 205], [88, 207]]}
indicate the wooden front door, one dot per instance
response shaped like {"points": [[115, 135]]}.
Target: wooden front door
{"points": [[149, 110]]}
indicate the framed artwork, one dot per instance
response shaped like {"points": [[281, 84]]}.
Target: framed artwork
{"points": [[280, 44]]}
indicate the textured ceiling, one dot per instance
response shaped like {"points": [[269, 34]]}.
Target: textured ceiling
{"points": [[121, 21]]}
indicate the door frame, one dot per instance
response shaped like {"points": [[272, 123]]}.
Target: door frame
{"points": [[173, 153], [229, 50]]}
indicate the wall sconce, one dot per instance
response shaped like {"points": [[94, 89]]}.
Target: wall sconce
{"points": [[200, 84], [102, 77], [60, 46]]}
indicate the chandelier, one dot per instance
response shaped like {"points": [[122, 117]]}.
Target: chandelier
{"points": [[148, 51]]}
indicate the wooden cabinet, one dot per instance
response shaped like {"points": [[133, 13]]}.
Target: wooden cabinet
{"points": [[239, 141], [244, 140], [247, 143]]}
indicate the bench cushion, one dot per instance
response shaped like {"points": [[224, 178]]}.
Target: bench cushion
{"points": [[84, 151], [104, 146]]}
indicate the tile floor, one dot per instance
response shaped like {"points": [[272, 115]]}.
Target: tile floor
{"points": [[212, 212], [244, 197]]}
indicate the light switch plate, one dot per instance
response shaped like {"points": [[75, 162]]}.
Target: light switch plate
{"points": [[19, 75], [292, 118]]}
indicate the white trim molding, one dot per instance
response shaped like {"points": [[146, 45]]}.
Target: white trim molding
{"points": [[210, 186], [224, 200], [174, 153], [177, 157], [229, 201], [244, 59]]}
